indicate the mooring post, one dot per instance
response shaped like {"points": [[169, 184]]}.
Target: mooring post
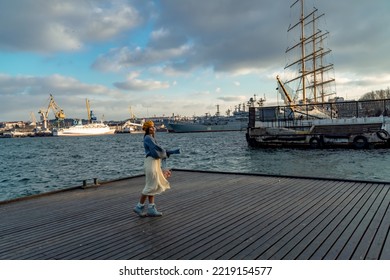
{"points": [[95, 181]]}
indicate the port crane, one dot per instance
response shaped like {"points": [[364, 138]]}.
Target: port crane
{"points": [[58, 113], [91, 115]]}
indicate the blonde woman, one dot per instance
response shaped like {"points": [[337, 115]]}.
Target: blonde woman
{"points": [[155, 177]]}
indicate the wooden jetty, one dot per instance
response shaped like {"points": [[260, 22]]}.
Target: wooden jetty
{"points": [[207, 215]]}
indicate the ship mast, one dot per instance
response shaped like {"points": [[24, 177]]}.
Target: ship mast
{"points": [[314, 63], [303, 66], [311, 53]]}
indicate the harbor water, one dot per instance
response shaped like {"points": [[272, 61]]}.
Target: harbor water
{"points": [[42, 164]]}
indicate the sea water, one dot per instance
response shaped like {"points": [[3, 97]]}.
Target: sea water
{"points": [[35, 165]]}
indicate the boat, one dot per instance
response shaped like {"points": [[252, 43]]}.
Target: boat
{"points": [[16, 134], [92, 127], [312, 116], [80, 129], [238, 121], [132, 125]]}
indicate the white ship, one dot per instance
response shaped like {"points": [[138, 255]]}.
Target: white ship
{"points": [[80, 129], [91, 128]]}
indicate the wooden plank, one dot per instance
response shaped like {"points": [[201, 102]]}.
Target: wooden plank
{"points": [[238, 212], [352, 227], [269, 209], [266, 204], [248, 207], [207, 215], [194, 220], [325, 240], [290, 220], [52, 220], [362, 238], [312, 229], [385, 252], [108, 242], [44, 231]]}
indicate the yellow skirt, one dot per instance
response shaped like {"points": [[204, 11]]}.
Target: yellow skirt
{"points": [[155, 182]]}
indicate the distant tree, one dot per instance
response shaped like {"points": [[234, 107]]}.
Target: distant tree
{"points": [[378, 94]]}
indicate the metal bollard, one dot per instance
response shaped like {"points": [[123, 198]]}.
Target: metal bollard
{"points": [[95, 181]]}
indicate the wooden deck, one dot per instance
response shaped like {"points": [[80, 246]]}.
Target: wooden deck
{"points": [[207, 215]]}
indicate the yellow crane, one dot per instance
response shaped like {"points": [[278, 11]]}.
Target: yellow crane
{"points": [[91, 116], [58, 112]]}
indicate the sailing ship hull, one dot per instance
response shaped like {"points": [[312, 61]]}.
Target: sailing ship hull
{"points": [[359, 132], [372, 140]]}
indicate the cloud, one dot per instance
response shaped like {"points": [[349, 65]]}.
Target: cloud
{"points": [[248, 39], [25, 94], [221, 43], [220, 33], [123, 58], [233, 98], [353, 85], [134, 84], [51, 26], [188, 36]]}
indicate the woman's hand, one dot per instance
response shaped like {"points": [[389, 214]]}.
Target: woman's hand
{"points": [[167, 173]]}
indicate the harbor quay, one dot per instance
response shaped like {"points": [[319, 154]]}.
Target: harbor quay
{"points": [[206, 216]]}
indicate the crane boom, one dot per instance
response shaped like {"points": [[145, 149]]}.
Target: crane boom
{"points": [[91, 116], [58, 112], [290, 101], [88, 110]]}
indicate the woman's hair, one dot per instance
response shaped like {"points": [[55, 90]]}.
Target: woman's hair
{"points": [[146, 126]]}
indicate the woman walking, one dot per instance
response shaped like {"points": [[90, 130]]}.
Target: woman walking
{"points": [[155, 177]]}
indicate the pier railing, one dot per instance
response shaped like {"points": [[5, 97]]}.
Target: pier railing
{"points": [[330, 110]]}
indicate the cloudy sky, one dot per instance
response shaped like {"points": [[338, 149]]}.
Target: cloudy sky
{"points": [[164, 57]]}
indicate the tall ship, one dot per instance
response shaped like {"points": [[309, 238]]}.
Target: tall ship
{"points": [[312, 116], [92, 127], [237, 121]]}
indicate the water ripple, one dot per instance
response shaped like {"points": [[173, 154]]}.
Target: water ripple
{"points": [[35, 165]]}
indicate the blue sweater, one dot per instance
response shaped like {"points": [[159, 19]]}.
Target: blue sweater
{"points": [[152, 149]]}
